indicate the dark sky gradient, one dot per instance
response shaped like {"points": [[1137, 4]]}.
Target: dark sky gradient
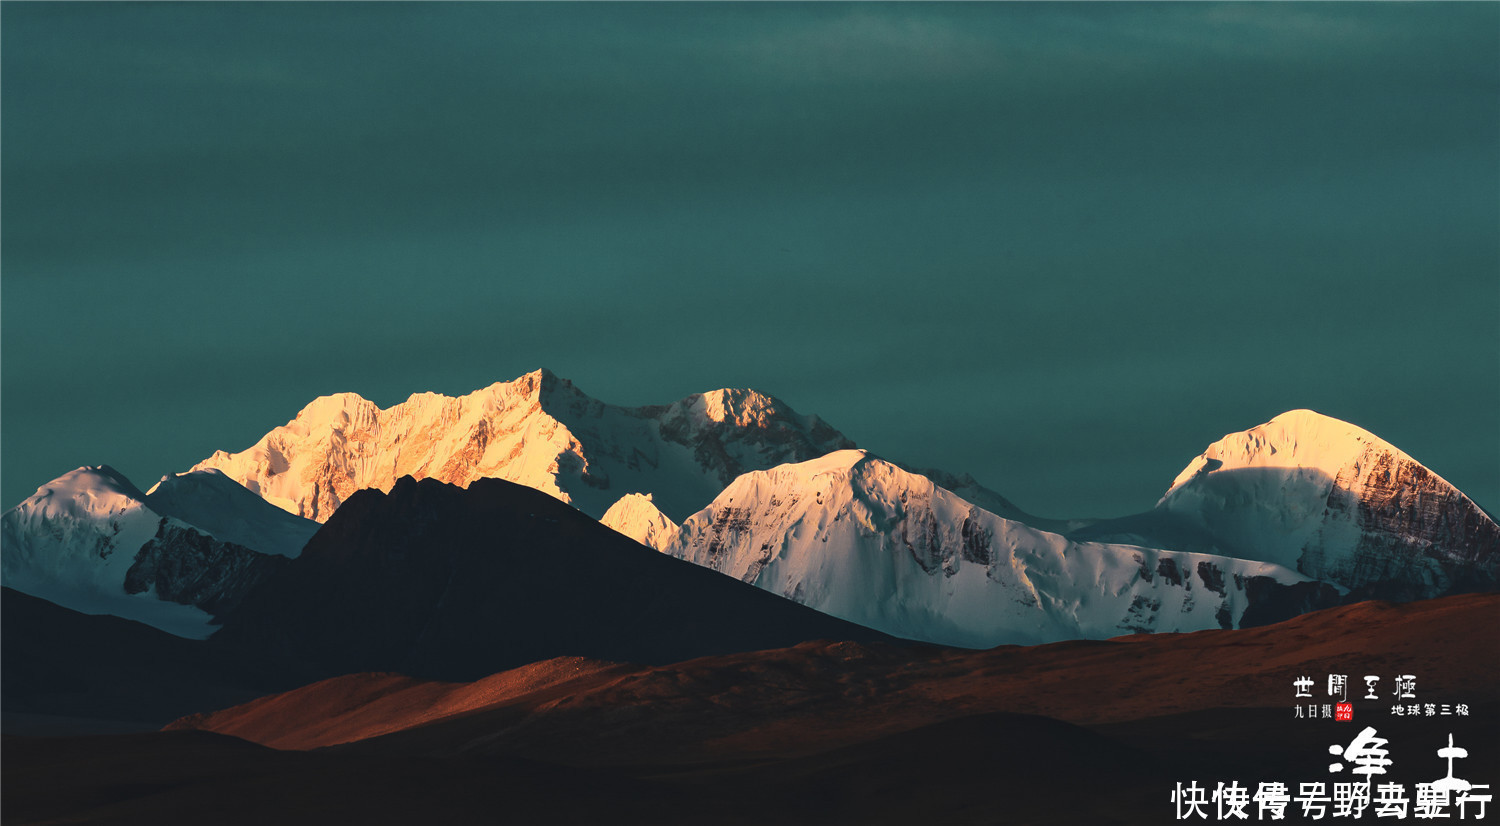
{"points": [[1061, 247]]}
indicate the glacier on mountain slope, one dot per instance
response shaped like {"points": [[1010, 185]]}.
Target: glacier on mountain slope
{"points": [[1328, 499], [861, 539], [636, 516], [80, 540], [539, 431], [222, 508]]}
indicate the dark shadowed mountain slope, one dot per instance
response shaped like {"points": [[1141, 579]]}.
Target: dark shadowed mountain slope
{"points": [[436, 581], [58, 665]]}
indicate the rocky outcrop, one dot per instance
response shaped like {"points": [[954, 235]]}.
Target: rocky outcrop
{"points": [[183, 565]]}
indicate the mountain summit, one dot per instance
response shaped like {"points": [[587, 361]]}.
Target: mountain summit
{"points": [[539, 431], [1329, 499]]}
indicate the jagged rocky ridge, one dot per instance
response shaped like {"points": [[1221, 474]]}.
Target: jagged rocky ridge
{"points": [[539, 431], [184, 565], [543, 432]]}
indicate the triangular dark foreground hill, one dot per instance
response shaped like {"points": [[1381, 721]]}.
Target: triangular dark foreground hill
{"points": [[436, 581]]}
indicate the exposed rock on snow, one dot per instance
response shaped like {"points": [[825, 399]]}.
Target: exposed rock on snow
{"points": [[184, 565]]}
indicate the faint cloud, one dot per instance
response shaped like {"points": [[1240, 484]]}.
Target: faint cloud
{"points": [[863, 46], [1249, 29]]}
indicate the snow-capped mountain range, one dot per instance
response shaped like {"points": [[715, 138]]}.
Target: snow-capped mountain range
{"points": [[539, 431], [1297, 513]]}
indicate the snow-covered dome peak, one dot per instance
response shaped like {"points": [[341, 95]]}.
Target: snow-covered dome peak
{"points": [[92, 488], [1334, 501], [1311, 427], [1294, 439], [1303, 415]]}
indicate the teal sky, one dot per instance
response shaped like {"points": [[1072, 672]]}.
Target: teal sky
{"points": [[1061, 247]]}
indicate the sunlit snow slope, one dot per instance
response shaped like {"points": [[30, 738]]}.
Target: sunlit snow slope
{"points": [[859, 538], [636, 516]]}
